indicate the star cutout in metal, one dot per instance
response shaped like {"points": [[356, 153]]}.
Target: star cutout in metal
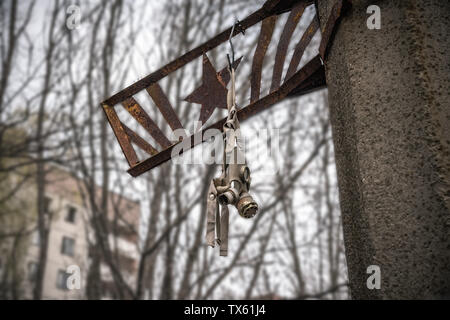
{"points": [[213, 92]]}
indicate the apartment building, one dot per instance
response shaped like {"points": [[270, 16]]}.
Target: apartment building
{"points": [[70, 236]]}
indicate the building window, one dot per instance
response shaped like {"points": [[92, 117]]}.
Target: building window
{"points": [[61, 280], [68, 245], [71, 213], [32, 271]]}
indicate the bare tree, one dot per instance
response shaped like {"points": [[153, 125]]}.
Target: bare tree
{"points": [[80, 69]]}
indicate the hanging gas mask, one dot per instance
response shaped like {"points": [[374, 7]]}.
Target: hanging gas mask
{"points": [[232, 187]]}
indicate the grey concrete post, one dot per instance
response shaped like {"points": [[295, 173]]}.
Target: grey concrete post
{"points": [[390, 114]]}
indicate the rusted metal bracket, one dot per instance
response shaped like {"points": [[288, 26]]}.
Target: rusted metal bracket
{"points": [[307, 79], [212, 93], [331, 25]]}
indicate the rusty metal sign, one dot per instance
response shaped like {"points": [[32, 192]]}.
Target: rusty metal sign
{"points": [[212, 92]]}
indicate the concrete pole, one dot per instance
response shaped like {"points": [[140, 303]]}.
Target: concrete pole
{"points": [[390, 114]]}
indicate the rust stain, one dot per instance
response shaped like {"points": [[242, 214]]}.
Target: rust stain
{"points": [[141, 143], [211, 94], [289, 27], [162, 102], [301, 46], [122, 137], [144, 119], [265, 37]]}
